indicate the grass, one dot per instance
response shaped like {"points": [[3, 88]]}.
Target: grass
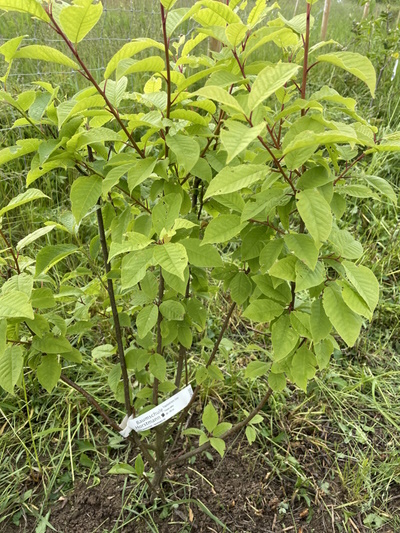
{"points": [[348, 423]]}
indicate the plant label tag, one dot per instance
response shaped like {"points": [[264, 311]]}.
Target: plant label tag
{"points": [[158, 414]]}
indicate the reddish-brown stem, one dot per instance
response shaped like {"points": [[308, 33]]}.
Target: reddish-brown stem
{"points": [[306, 50], [164, 15], [263, 223], [10, 247], [88, 75], [343, 174]]}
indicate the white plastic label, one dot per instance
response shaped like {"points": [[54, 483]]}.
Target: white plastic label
{"points": [[160, 413]]}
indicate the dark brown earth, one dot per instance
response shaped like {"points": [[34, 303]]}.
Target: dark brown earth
{"points": [[238, 494]]}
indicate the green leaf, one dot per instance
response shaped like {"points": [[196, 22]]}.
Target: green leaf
{"points": [[277, 382], [32, 237], [240, 287], [345, 244], [303, 247], [232, 179], [313, 178], [345, 321], [307, 278], [11, 364], [134, 242], [146, 320], [316, 214], [77, 20], [32, 7], [115, 90], [140, 171], [139, 465], [222, 229], [220, 95], [172, 257], [133, 267], [122, 469], [46, 53], [251, 434], [357, 64], [303, 367], [85, 192], [263, 310], [172, 310], [256, 369], [3, 336], [319, 323], [201, 255], [238, 137], [51, 255], [356, 303], [218, 444], [168, 3], [264, 203], [323, 352], [22, 147], [51, 344], [20, 282], [15, 304], [185, 148], [158, 366], [25, 197], [269, 80], [270, 253], [210, 418], [129, 50], [383, 186], [43, 298], [283, 337], [285, 268], [49, 372], [364, 281]]}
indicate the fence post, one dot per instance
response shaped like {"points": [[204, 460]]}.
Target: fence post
{"points": [[213, 44], [325, 18]]}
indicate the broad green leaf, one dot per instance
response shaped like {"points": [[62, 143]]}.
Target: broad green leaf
{"points": [[210, 418], [46, 53], [20, 282], [150, 64], [134, 241], [269, 80], [222, 10], [49, 372], [307, 278], [115, 90], [114, 377], [299, 22], [105, 350], [133, 267], [185, 148], [158, 366], [240, 287], [172, 257], [122, 469], [283, 337], [313, 178], [3, 335], [256, 369], [85, 192], [264, 203], [140, 170], [222, 229], [43, 298], [202, 256], [323, 351], [129, 50], [232, 179], [364, 282], [356, 303], [383, 186], [139, 465], [316, 214], [221, 429], [172, 310], [303, 247], [51, 344], [319, 323], [32, 237], [15, 304], [285, 268], [96, 135], [270, 253], [11, 364], [146, 320], [345, 244], [251, 434], [218, 444], [22, 147], [32, 7], [357, 64], [51, 255], [345, 321], [238, 137], [77, 20], [25, 197], [277, 382], [281, 294], [236, 33], [168, 3], [303, 367], [263, 310], [220, 95], [301, 323]]}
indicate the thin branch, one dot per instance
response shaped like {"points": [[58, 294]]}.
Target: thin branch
{"points": [[10, 247]]}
